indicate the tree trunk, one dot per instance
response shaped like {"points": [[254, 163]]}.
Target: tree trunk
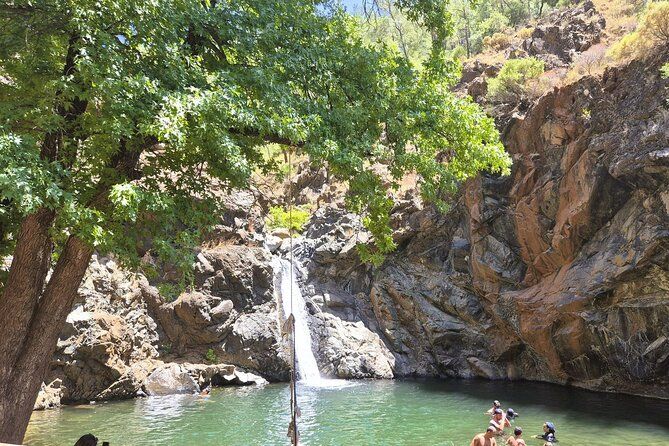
{"points": [[22, 385], [30, 265]]}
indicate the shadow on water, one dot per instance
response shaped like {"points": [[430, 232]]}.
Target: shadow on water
{"points": [[579, 402]]}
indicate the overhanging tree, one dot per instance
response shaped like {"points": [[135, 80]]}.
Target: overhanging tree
{"points": [[116, 116]]}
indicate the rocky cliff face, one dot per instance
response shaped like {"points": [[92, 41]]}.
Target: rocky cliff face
{"points": [[561, 271]]}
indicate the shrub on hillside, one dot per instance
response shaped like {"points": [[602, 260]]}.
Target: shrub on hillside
{"points": [[627, 47], [653, 30], [655, 22], [525, 33], [282, 218], [497, 41], [588, 63], [513, 79], [665, 71], [211, 356], [496, 23]]}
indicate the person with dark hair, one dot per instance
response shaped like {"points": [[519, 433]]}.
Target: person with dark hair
{"points": [[87, 440], [485, 439], [515, 439], [511, 414], [549, 433], [495, 405]]}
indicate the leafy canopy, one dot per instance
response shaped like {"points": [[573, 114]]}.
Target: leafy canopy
{"points": [[156, 106]]}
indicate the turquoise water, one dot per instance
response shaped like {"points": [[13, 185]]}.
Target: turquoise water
{"points": [[364, 413]]}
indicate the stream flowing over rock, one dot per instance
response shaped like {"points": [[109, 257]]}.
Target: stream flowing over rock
{"points": [[558, 272]]}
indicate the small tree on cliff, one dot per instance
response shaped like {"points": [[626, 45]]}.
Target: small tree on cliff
{"points": [[117, 116]]}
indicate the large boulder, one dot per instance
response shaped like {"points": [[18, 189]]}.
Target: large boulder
{"points": [[566, 33], [350, 350], [170, 379]]}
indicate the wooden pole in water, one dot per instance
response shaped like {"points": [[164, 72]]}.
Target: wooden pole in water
{"points": [[294, 435]]}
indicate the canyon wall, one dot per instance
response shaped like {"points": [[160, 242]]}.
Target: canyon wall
{"points": [[558, 272]]}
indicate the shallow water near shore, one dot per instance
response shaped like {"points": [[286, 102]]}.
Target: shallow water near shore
{"points": [[412, 412]]}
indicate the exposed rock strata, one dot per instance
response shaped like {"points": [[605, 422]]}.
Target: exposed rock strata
{"points": [[561, 271]]}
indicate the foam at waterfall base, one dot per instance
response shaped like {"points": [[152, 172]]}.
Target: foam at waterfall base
{"points": [[326, 383]]}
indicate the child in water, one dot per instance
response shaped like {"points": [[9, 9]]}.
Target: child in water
{"points": [[515, 439]]}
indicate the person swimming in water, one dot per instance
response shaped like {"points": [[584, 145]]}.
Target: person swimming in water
{"points": [[515, 439], [549, 433], [511, 414], [485, 439], [499, 421], [495, 405]]}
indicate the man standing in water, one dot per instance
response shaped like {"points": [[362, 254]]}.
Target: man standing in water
{"points": [[495, 405], [485, 439], [499, 421], [515, 439]]}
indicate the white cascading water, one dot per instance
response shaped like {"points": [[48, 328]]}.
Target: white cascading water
{"points": [[307, 368]]}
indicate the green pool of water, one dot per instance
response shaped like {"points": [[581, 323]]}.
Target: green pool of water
{"points": [[364, 413]]}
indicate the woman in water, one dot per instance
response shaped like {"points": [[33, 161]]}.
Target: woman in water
{"points": [[549, 433]]}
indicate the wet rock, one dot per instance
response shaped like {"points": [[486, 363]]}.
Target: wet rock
{"points": [[218, 375]]}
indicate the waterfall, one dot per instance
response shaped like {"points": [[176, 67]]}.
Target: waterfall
{"points": [[307, 368]]}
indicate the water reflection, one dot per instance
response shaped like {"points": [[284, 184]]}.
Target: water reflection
{"points": [[164, 407]]}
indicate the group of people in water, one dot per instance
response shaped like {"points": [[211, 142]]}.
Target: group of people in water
{"points": [[499, 420]]}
